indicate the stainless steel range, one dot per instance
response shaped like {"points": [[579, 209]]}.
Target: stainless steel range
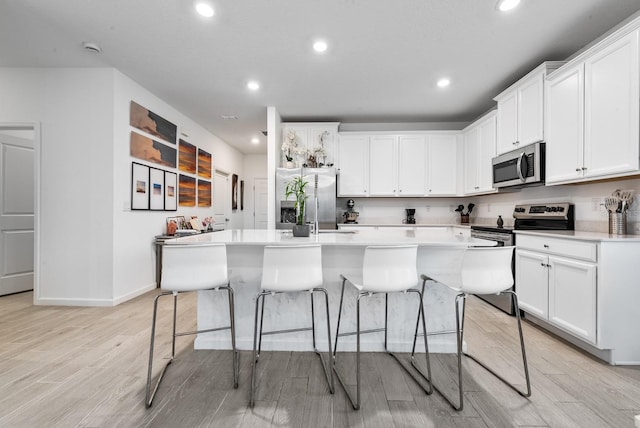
{"points": [[551, 216]]}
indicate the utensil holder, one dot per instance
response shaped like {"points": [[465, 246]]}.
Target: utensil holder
{"points": [[618, 223], [464, 218]]}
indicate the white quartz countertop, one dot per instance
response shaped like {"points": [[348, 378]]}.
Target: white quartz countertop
{"points": [[402, 225], [580, 235], [391, 236]]}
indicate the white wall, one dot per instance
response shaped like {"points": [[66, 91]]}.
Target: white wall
{"points": [[255, 166], [93, 249], [74, 108], [134, 230]]}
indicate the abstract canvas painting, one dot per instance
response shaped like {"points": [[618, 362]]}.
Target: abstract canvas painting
{"points": [[204, 164], [187, 157], [151, 123], [145, 148], [204, 193], [234, 192], [187, 191]]}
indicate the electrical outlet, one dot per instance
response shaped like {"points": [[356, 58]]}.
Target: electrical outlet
{"points": [[596, 204], [488, 208], [428, 208], [636, 229]]}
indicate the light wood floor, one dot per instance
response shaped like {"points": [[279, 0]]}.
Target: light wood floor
{"points": [[86, 367]]}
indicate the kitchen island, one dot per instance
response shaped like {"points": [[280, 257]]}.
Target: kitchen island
{"points": [[342, 252]]}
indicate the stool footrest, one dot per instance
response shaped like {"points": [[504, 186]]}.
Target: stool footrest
{"points": [[188, 333], [291, 330], [353, 333]]}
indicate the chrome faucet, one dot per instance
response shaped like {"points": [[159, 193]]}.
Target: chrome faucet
{"points": [[315, 205]]}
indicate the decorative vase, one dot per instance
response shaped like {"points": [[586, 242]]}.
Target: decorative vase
{"points": [[464, 218], [301, 230], [289, 164]]}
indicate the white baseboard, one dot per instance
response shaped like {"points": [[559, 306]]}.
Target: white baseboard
{"points": [[55, 301]]}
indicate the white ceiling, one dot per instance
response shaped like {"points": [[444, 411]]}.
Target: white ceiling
{"points": [[383, 60]]}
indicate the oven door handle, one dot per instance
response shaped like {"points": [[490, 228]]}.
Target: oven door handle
{"points": [[519, 167]]}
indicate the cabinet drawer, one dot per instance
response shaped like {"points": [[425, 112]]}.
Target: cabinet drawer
{"points": [[564, 247]]}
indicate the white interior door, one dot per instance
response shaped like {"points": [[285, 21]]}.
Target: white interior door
{"points": [[221, 199], [260, 203], [17, 163]]}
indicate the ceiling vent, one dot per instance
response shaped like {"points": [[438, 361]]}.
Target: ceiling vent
{"points": [[229, 117], [91, 47]]}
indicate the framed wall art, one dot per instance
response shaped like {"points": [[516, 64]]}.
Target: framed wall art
{"points": [[139, 186], [187, 191], [187, 158], [145, 148], [170, 191], [204, 193], [156, 189], [234, 192], [204, 164], [151, 123], [241, 195]]}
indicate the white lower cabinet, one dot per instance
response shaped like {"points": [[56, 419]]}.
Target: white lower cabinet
{"points": [[559, 288], [572, 296]]}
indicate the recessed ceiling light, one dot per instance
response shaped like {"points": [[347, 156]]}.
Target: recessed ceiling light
{"points": [[204, 9], [255, 140], [505, 5], [443, 83], [253, 85], [320, 46]]}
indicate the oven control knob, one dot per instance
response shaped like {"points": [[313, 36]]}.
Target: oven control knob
{"points": [[561, 209]]}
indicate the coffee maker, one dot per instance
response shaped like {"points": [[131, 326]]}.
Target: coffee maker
{"points": [[411, 216]]}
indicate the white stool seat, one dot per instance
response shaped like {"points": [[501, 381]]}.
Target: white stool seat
{"points": [[194, 267], [387, 269], [291, 268], [484, 270]]}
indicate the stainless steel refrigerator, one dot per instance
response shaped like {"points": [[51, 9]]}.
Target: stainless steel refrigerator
{"points": [[325, 191]]}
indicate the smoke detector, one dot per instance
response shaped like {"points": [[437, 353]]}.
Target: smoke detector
{"points": [[91, 47]]}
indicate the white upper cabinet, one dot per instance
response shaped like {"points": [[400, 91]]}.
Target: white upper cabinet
{"points": [[521, 110], [611, 110], [441, 164], [412, 153], [353, 179], [479, 141], [383, 165], [593, 113], [398, 165]]}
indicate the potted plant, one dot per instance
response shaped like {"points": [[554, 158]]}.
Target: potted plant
{"points": [[290, 147], [297, 188]]}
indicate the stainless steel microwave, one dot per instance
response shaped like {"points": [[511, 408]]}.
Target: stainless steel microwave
{"points": [[520, 168]]}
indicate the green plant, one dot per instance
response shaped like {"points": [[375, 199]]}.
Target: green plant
{"points": [[297, 187]]}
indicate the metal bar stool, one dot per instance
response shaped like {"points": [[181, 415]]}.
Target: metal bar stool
{"points": [[483, 271], [290, 269], [385, 269], [191, 268]]}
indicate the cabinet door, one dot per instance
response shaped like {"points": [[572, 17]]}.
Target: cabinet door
{"points": [[383, 172], [353, 179], [612, 116], [565, 124], [532, 282], [507, 123], [487, 151], [572, 296], [471, 154], [442, 162], [530, 110], [412, 168]]}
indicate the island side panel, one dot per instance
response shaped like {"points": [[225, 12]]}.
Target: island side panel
{"points": [[293, 311]]}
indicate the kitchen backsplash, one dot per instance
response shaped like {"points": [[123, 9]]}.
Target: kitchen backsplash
{"points": [[590, 215]]}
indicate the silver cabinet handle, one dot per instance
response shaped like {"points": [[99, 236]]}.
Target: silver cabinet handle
{"points": [[545, 246]]}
